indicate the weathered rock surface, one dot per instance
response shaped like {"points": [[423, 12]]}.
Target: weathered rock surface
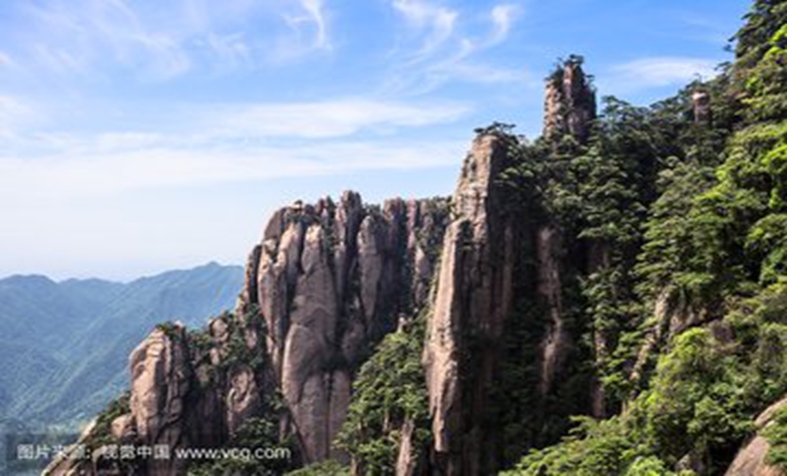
{"points": [[325, 285], [570, 103], [672, 315], [473, 296], [700, 102], [751, 460], [68, 463], [331, 280], [556, 341], [159, 381], [406, 463]]}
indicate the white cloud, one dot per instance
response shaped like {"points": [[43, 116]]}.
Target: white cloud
{"points": [[69, 174], [316, 11], [231, 49], [309, 24], [74, 37], [447, 51], [5, 60], [503, 17], [325, 119], [435, 23], [661, 71], [165, 41], [225, 143]]}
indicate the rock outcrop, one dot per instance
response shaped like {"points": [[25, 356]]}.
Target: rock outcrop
{"points": [[570, 102], [331, 280], [160, 379], [751, 460], [554, 346], [569, 110], [472, 301], [700, 103], [325, 285], [160, 414]]}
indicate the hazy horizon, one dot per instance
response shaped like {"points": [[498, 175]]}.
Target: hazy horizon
{"points": [[145, 275]]}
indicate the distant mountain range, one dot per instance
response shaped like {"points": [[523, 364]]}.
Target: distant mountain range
{"points": [[64, 345]]}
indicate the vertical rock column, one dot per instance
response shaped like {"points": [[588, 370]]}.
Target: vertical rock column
{"points": [[331, 281], [472, 300], [569, 110], [160, 381], [570, 102]]}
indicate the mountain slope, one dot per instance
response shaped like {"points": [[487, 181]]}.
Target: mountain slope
{"points": [[65, 345]]}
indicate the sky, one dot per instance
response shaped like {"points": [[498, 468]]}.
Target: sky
{"points": [[142, 136]]}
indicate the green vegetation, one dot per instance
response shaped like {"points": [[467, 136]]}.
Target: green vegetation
{"points": [[389, 390], [254, 434], [708, 238], [65, 346], [776, 433], [656, 209], [102, 433], [672, 226], [259, 432], [699, 405], [326, 468]]}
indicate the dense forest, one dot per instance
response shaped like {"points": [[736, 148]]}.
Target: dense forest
{"points": [[682, 318]]}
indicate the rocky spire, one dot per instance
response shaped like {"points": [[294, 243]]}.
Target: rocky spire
{"points": [[700, 102], [329, 282], [473, 297], [323, 287], [570, 101]]}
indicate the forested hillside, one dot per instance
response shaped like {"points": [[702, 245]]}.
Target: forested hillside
{"points": [[64, 345]]}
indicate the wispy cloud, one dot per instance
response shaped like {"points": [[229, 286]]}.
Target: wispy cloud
{"points": [[5, 60], [503, 17], [316, 12], [703, 27], [174, 38], [14, 115], [447, 50], [68, 175], [73, 38], [435, 24], [659, 71], [226, 143], [231, 49], [308, 23], [325, 119]]}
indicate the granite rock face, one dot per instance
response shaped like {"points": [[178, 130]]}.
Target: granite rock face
{"points": [[700, 105], [496, 262], [751, 460], [161, 411], [331, 280], [160, 379], [473, 296], [570, 103], [326, 283]]}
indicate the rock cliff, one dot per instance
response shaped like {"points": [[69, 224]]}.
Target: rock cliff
{"points": [[752, 459], [473, 299], [326, 283], [329, 281]]}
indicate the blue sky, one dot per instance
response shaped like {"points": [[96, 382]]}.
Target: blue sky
{"points": [[139, 136]]}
